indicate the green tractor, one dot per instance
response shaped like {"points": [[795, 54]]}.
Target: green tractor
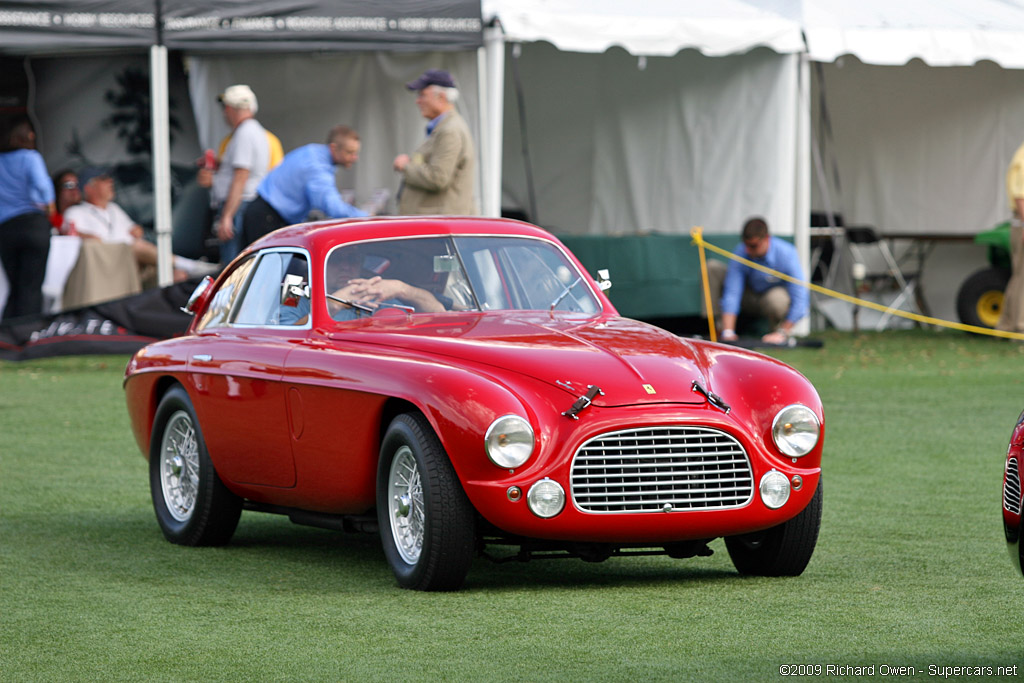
{"points": [[980, 299]]}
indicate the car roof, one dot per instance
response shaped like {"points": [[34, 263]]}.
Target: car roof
{"points": [[324, 234]]}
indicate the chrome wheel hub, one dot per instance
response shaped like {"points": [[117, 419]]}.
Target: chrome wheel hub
{"points": [[405, 505]]}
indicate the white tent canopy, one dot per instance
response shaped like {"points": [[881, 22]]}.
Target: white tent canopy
{"points": [[365, 90], [702, 125], [652, 27], [939, 32], [41, 27], [918, 149]]}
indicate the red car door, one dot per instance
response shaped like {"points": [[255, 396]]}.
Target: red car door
{"points": [[236, 367]]}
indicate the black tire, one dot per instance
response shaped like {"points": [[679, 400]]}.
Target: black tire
{"points": [[427, 524], [783, 550], [980, 298], [199, 509]]}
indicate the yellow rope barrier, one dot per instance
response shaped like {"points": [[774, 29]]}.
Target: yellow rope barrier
{"points": [[697, 233]]}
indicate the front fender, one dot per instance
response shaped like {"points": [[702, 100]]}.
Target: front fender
{"points": [[757, 387]]}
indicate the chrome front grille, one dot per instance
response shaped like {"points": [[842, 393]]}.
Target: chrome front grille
{"points": [[661, 469], [1011, 487]]}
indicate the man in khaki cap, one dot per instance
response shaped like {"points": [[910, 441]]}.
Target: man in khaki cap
{"points": [[1012, 317], [438, 177], [245, 157]]}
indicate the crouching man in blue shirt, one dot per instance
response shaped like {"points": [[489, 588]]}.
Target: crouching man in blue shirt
{"points": [[756, 293]]}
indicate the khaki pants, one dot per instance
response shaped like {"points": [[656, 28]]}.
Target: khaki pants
{"points": [[772, 304], [1012, 317]]}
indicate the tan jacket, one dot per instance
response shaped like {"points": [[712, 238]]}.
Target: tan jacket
{"points": [[439, 177]]}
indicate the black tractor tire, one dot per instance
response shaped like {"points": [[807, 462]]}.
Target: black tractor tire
{"points": [[980, 298]]}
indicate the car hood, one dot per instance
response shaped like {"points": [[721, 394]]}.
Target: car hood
{"points": [[630, 361]]}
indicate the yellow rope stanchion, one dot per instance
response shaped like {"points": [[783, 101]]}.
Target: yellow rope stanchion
{"points": [[697, 233]]}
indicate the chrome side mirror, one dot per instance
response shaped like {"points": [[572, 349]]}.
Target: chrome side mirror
{"points": [[293, 288], [603, 283], [199, 296]]}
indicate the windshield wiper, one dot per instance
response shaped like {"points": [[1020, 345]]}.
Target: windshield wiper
{"points": [[352, 304], [401, 307], [565, 292]]}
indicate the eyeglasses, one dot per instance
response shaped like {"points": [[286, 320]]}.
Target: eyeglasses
{"points": [[69, 185]]}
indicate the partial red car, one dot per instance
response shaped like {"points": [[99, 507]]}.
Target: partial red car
{"points": [[463, 387], [1013, 501]]}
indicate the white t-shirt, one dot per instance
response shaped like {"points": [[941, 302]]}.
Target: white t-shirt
{"points": [[249, 149], [111, 224]]}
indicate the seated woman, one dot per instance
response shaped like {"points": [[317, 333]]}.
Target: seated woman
{"points": [[68, 193]]}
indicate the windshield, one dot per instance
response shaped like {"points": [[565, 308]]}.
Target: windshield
{"points": [[433, 274]]}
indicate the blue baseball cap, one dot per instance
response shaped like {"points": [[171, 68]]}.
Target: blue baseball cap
{"points": [[91, 173], [432, 77]]}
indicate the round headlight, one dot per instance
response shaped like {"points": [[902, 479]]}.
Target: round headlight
{"points": [[546, 498], [774, 489], [509, 441], [796, 430]]}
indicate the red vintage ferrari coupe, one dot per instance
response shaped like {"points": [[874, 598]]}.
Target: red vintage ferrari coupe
{"points": [[1013, 499], [464, 387]]}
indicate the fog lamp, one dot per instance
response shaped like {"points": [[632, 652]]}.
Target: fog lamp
{"points": [[774, 489], [546, 498]]}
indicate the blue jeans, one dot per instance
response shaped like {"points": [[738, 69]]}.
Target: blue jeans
{"points": [[230, 249]]}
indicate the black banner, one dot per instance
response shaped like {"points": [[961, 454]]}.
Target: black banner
{"points": [[120, 326], [235, 25]]}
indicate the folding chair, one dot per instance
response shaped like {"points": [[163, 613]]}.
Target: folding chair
{"points": [[862, 236]]}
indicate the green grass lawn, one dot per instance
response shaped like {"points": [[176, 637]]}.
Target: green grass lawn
{"points": [[910, 569]]}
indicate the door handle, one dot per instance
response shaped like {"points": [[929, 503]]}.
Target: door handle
{"points": [[202, 357]]}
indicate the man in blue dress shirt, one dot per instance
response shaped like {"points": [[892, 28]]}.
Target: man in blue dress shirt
{"points": [[302, 182], [756, 293]]}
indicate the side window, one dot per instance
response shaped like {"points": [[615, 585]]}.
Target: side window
{"points": [[217, 312], [279, 283]]}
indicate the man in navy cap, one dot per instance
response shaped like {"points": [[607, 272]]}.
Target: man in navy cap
{"points": [[438, 177]]}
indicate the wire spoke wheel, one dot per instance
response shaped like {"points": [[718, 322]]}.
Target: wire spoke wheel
{"points": [[405, 505], [179, 466], [192, 504], [427, 524]]}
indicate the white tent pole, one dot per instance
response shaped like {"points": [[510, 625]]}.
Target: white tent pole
{"points": [[161, 162], [483, 151], [492, 119], [802, 189]]}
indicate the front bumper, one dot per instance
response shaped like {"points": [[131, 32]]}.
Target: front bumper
{"points": [[1015, 549], [1013, 520], [659, 506]]}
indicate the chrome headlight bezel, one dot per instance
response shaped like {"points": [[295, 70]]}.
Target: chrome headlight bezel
{"points": [[796, 430], [509, 441], [546, 498], [774, 488]]}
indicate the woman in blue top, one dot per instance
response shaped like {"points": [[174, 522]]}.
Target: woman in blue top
{"points": [[26, 201]]}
